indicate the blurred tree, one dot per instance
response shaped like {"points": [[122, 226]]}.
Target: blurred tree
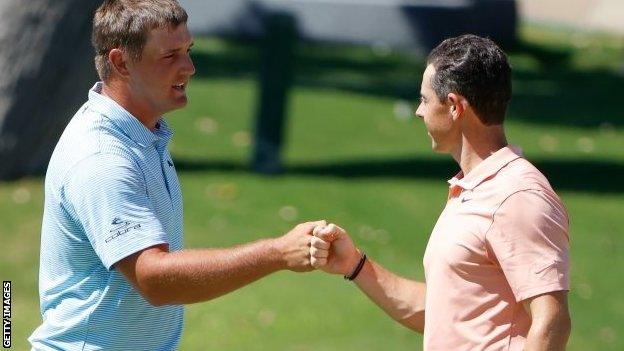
{"points": [[46, 67]]}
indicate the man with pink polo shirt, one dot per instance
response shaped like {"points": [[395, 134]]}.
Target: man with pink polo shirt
{"points": [[497, 261]]}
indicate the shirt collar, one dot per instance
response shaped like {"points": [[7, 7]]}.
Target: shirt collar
{"points": [[487, 168], [125, 121]]}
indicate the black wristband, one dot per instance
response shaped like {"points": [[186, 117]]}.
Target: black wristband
{"points": [[357, 269]]}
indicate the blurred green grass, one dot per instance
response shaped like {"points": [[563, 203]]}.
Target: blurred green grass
{"points": [[355, 156]]}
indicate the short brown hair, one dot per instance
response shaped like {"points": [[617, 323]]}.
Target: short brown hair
{"points": [[126, 24], [476, 68]]}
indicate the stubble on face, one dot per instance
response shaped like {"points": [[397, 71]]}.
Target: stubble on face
{"points": [[436, 115], [162, 74]]}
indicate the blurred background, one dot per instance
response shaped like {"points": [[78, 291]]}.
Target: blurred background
{"points": [[303, 110]]}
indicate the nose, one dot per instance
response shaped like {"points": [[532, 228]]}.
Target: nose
{"points": [[189, 68], [419, 112]]}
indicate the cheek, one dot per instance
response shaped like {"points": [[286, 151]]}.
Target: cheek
{"points": [[149, 77], [435, 118], [439, 122], [158, 74]]}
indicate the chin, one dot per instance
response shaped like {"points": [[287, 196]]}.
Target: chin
{"points": [[182, 104], [178, 103]]}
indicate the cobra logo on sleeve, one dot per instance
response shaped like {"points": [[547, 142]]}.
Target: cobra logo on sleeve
{"points": [[120, 227]]}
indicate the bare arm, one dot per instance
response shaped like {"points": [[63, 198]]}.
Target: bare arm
{"points": [[550, 322], [190, 276], [402, 299]]}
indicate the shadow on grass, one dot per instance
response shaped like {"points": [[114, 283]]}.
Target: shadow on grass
{"points": [[553, 93], [590, 176]]}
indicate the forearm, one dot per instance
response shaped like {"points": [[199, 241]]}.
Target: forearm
{"points": [[400, 298], [190, 276]]}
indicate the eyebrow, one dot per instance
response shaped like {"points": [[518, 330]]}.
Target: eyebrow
{"points": [[178, 49]]}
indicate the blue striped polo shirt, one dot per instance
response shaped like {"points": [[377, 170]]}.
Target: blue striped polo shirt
{"points": [[111, 190]]}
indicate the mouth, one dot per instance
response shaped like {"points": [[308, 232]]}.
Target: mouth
{"points": [[179, 87]]}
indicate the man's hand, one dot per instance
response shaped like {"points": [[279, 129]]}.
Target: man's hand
{"points": [[333, 251], [294, 246]]}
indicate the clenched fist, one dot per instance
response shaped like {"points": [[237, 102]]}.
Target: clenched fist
{"points": [[332, 250]]}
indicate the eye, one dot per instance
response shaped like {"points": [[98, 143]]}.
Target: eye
{"points": [[169, 56]]}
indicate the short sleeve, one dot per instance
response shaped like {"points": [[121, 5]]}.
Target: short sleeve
{"points": [[529, 239], [108, 196]]}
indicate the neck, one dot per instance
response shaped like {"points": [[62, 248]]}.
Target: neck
{"points": [[477, 144], [122, 95]]}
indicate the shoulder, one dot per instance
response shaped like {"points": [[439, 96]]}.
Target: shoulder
{"points": [[521, 174], [526, 201], [529, 213], [91, 143], [103, 168], [517, 180]]}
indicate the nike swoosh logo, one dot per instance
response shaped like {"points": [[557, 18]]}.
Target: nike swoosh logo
{"points": [[540, 270], [465, 200], [117, 221]]}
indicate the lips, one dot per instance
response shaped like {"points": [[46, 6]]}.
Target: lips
{"points": [[179, 87]]}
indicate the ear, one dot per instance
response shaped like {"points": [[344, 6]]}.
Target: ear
{"points": [[118, 62], [457, 104]]}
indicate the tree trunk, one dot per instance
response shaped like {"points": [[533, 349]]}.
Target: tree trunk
{"points": [[46, 68]]}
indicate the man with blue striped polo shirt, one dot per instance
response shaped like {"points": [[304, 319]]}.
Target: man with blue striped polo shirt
{"points": [[113, 271]]}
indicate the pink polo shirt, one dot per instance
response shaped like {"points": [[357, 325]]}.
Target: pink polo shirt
{"points": [[502, 238]]}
